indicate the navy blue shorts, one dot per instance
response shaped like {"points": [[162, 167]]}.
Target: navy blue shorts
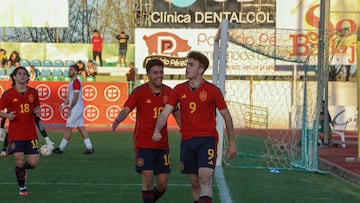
{"points": [[156, 160], [26, 146], [198, 152], [122, 52]]}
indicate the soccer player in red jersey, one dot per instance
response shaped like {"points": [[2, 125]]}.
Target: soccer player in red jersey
{"points": [[198, 101], [22, 102], [152, 158]]}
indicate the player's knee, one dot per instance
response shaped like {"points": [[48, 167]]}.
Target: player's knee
{"points": [[161, 187], [204, 180], [195, 184], [30, 165], [147, 186]]}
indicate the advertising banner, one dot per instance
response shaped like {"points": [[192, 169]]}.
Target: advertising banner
{"points": [[208, 13], [282, 32], [103, 101]]}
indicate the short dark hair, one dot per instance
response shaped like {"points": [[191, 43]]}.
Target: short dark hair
{"points": [[204, 61], [76, 67], [153, 62]]}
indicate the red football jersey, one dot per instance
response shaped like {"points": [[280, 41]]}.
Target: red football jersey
{"points": [[97, 42], [198, 108], [23, 126], [148, 108]]}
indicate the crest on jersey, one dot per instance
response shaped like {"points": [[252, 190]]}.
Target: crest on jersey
{"points": [[31, 98], [165, 98], [203, 96]]}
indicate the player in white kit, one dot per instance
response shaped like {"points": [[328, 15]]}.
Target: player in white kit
{"points": [[75, 113]]}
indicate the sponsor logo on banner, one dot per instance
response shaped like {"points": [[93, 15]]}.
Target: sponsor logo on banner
{"points": [[64, 112], [112, 112], [63, 92], [166, 46], [171, 47], [112, 93], [166, 43], [47, 112], [132, 115], [44, 91], [91, 113], [89, 92], [206, 14]]}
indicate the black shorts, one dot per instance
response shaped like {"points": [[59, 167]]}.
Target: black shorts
{"points": [[198, 152], [156, 160], [26, 146]]}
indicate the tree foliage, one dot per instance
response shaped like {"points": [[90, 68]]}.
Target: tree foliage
{"points": [[109, 17]]}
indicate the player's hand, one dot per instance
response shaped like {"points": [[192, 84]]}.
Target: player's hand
{"points": [[3, 154], [231, 151], [12, 115], [37, 112], [156, 137], [50, 145], [61, 107], [114, 125]]}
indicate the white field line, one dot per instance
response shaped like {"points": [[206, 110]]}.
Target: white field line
{"points": [[91, 184], [225, 196]]}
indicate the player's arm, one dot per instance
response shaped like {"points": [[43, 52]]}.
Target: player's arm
{"points": [[176, 114], [8, 115], [66, 101], [2, 115], [231, 149], [121, 116], [37, 111], [5, 145], [74, 100], [161, 121]]}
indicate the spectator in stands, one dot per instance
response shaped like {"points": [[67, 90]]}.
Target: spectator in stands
{"points": [[97, 45], [3, 58], [82, 69], [91, 68], [322, 125], [130, 76], [34, 73], [14, 59], [123, 40]]}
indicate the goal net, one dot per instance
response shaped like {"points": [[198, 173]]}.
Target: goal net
{"points": [[272, 91]]}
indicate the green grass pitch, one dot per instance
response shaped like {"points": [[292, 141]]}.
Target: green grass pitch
{"points": [[108, 175]]}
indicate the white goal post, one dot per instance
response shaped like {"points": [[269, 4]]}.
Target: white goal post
{"points": [[218, 78]]}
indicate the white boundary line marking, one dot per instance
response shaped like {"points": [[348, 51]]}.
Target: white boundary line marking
{"points": [[224, 193], [92, 184], [225, 196]]}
